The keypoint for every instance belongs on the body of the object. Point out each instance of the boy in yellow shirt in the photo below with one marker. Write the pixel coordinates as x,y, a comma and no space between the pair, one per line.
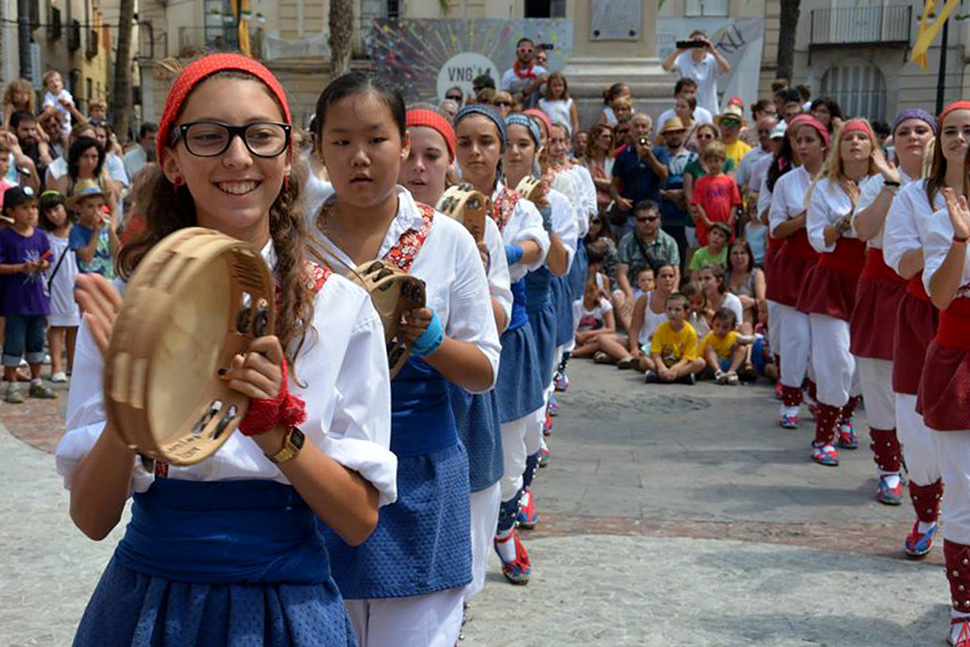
673,349
723,349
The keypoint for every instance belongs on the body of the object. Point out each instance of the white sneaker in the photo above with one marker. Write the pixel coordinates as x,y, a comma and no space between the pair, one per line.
59,378
23,363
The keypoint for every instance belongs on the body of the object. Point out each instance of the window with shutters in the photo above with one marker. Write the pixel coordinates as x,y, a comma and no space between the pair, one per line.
860,89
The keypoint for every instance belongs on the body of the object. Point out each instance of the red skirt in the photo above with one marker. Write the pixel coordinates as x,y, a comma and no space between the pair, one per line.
872,328
793,264
916,324
944,391
830,288
768,263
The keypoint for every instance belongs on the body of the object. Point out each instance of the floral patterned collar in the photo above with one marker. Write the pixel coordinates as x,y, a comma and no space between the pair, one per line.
504,200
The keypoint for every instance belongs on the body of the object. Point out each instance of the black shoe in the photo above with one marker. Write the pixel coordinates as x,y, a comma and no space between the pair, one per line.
690,379
651,378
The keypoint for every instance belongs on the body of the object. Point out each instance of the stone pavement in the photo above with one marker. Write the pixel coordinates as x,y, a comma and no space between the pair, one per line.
671,515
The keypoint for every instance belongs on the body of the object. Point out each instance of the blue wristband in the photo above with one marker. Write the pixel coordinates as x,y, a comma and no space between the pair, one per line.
430,339
513,253
546,213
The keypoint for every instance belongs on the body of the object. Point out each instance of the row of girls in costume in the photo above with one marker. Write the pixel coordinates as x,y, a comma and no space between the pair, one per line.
228,551
852,322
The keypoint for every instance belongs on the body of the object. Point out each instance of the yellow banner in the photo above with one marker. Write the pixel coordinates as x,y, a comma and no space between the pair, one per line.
928,32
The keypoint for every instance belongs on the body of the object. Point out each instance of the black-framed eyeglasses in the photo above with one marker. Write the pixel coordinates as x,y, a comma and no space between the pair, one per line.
453,97
503,104
648,218
211,138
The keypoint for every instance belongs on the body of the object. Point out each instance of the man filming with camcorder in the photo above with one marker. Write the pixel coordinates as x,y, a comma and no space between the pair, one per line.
698,59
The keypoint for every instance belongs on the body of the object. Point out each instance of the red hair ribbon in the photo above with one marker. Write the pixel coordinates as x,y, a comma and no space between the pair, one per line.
957,105
425,118
198,71
541,116
855,125
809,120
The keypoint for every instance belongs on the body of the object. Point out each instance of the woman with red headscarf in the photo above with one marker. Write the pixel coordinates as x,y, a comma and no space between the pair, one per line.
227,550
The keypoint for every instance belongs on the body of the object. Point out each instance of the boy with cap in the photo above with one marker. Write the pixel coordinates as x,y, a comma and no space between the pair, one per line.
24,255
94,238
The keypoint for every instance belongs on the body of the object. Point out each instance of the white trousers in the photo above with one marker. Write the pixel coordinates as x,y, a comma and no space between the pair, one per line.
774,327
836,377
917,441
514,454
432,620
876,378
953,454
484,505
795,339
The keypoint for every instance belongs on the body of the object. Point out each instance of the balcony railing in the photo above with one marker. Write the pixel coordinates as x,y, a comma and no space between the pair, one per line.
858,26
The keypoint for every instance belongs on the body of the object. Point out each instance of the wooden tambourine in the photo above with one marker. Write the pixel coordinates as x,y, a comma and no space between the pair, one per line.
530,188
393,293
197,299
468,206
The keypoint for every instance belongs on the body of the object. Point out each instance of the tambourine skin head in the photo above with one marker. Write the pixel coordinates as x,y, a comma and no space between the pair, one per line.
393,293
196,300
463,203
530,188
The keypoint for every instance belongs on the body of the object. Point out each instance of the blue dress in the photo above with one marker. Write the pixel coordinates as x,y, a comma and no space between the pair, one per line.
421,544
542,317
519,386
217,564
477,418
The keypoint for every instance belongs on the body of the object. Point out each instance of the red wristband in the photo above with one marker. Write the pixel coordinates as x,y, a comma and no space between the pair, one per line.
284,410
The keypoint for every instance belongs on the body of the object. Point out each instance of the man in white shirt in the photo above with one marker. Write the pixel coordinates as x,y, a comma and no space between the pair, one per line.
703,63
137,158
687,87
525,78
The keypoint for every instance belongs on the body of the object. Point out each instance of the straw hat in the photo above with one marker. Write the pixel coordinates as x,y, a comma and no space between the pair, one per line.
672,124
733,111
82,190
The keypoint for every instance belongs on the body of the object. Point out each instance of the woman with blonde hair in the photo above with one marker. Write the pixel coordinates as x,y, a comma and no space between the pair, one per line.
828,293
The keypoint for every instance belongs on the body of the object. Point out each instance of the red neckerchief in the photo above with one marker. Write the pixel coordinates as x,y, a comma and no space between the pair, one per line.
503,206
529,74
410,242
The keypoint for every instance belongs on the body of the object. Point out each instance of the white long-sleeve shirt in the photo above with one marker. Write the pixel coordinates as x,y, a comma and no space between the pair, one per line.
937,235
456,286
868,191
788,198
905,228
525,223
343,365
827,206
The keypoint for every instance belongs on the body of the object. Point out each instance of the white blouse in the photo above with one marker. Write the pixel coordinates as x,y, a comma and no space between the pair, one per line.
788,198
499,285
905,228
588,197
565,223
828,204
456,286
524,224
937,236
764,195
343,364
869,190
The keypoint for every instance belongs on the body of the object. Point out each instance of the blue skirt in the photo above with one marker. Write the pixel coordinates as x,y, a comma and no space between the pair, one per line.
422,543
543,321
481,434
562,297
519,388
577,271
247,568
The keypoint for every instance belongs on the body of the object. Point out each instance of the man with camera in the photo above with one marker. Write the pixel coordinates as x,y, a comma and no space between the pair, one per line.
639,173
525,78
697,58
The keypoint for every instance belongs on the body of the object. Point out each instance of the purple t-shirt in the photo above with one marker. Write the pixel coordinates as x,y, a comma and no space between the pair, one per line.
22,294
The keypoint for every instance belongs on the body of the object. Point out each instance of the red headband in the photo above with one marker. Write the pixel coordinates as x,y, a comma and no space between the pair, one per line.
809,120
198,71
958,105
543,117
853,126
424,118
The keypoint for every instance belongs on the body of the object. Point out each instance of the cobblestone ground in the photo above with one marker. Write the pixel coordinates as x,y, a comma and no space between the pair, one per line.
671,516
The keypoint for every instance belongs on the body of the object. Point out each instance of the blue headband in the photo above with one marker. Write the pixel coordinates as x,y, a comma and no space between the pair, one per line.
914,113
522,120
486,111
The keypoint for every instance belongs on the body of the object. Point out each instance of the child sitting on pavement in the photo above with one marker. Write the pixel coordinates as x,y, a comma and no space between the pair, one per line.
696,308
723,349
596,335
673,349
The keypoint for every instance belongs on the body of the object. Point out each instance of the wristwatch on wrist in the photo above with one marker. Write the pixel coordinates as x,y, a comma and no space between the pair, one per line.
292,445
961,240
